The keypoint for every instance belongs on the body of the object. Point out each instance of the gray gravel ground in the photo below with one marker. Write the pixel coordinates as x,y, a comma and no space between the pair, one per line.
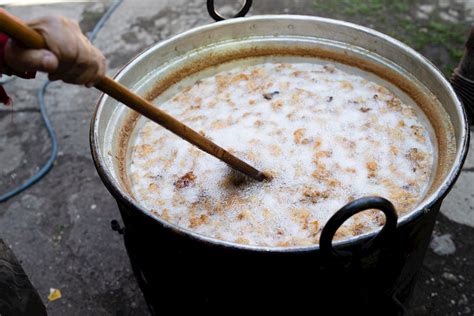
60,228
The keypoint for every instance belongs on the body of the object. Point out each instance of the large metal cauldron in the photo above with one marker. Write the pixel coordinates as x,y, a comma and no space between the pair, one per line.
179,270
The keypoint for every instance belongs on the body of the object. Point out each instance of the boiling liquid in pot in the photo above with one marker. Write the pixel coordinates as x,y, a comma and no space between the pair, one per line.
325,133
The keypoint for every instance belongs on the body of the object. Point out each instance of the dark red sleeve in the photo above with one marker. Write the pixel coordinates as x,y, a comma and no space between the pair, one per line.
3,95
4,98
3,42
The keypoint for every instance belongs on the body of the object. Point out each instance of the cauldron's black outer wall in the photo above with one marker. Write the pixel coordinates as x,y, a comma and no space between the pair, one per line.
180,274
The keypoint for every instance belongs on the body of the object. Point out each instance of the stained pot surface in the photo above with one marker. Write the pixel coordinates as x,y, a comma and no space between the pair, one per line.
359,49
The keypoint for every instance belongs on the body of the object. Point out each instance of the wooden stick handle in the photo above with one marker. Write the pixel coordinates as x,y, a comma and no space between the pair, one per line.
145,108
17,29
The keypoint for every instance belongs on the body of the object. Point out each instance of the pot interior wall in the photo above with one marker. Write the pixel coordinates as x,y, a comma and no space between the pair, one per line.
164,68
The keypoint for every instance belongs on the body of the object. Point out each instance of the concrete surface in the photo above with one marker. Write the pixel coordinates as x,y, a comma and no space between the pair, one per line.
60,228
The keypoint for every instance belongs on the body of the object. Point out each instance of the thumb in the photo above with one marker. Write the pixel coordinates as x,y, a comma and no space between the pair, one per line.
21,59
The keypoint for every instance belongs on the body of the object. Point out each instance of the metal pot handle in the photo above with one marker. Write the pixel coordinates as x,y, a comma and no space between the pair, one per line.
218,17
352,208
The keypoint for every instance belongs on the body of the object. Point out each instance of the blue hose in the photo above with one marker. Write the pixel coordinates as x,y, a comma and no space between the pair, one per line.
44,115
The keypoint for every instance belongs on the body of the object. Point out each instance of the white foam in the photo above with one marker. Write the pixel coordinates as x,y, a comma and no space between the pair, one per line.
337,110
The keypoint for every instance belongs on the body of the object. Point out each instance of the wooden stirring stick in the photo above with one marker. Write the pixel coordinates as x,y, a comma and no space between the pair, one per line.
17,29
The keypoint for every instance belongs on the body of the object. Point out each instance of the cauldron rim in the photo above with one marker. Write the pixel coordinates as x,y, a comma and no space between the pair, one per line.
423,208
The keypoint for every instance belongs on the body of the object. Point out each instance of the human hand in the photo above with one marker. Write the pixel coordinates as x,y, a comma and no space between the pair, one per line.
70,56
